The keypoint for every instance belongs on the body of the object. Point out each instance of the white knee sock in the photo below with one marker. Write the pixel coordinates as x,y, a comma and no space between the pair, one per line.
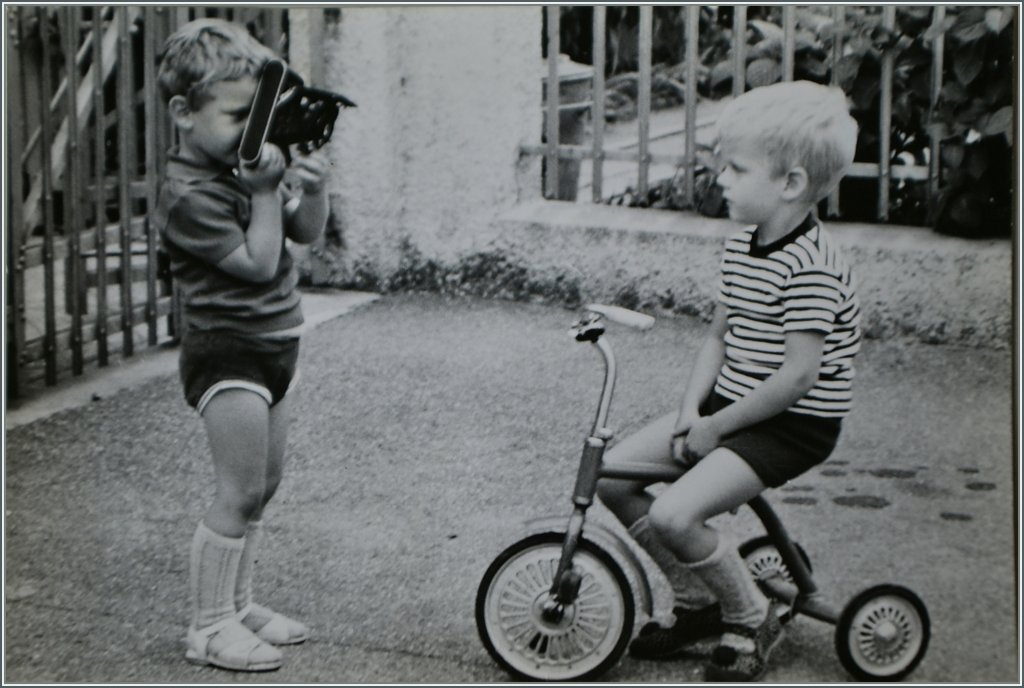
243,586
688,590
726,574
213,571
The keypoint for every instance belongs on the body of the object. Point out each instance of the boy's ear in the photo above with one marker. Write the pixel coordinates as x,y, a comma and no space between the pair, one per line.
180,112
797,182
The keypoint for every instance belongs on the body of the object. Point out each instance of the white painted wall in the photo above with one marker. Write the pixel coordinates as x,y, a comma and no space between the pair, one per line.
445,97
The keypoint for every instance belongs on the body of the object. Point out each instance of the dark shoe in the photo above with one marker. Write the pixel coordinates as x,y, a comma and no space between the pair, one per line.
691,625
729,664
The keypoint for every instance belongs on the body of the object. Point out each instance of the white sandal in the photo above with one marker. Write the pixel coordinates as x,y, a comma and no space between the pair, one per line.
237,648
278,629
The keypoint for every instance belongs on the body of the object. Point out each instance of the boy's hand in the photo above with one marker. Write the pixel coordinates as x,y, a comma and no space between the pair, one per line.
702,439
679,432
266,174
311,171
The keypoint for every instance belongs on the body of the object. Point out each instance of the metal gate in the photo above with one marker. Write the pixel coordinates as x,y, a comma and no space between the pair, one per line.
86,140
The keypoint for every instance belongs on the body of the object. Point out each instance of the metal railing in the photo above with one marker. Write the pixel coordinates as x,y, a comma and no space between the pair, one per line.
554,151
86,138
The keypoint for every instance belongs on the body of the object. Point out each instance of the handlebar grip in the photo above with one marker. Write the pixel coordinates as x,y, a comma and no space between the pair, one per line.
261,115
622,316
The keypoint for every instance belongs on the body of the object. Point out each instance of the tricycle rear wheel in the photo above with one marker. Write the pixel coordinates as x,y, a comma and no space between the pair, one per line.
764,561
883,633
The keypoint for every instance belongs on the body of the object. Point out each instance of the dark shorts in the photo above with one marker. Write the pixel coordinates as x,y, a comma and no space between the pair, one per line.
783,447
212,361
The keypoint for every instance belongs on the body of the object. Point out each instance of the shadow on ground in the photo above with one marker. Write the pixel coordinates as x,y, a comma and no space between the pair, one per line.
426,430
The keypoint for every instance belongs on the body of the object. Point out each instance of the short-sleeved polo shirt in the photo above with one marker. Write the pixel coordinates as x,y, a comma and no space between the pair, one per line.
202,215
799,283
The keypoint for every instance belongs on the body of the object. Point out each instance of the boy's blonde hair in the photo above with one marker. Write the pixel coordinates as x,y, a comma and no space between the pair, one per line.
794,124
206,51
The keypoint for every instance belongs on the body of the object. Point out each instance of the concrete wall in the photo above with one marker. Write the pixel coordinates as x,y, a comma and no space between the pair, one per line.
913,282
446,95
430,191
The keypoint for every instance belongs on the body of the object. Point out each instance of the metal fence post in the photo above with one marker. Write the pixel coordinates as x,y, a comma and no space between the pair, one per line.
885,119
643,97
600,18
739,49
46,136
126,164
15,259
73,223
692,38
551,170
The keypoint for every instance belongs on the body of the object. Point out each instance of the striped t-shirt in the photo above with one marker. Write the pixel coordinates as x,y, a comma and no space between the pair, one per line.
798,283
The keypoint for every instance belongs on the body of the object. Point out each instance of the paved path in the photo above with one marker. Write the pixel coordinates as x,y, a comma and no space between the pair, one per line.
426,431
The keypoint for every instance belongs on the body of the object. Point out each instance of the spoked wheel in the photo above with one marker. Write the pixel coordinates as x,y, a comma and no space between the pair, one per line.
764,561
585,639
883,633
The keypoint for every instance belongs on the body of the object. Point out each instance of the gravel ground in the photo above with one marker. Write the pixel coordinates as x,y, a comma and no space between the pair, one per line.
426,431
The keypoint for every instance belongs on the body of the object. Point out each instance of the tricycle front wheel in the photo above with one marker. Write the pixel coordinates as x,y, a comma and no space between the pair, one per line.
587,637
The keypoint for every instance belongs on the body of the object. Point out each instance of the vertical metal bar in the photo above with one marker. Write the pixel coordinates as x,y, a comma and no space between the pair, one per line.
885,119
73,223
49,309
157,33
165,129
597,112
176,317
15,188
46,166
126,164
164,134
938,50
643,97
181,16
551,133
788,41
149,97
692,38
839,17
99,172
739,49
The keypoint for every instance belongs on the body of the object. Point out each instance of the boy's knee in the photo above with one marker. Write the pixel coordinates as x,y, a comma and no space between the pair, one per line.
668,521
247,501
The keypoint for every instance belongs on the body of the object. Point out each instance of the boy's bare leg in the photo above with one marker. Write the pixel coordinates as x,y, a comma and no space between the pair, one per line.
628,500
267,624
720,482
237,424
280,417
277,440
